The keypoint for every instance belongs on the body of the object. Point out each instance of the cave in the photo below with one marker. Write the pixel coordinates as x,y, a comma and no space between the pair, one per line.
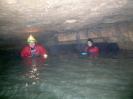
63,28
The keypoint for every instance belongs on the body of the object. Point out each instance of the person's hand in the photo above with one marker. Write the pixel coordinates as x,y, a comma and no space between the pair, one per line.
45,56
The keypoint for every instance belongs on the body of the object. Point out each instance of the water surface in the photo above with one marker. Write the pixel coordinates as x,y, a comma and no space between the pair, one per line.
67,77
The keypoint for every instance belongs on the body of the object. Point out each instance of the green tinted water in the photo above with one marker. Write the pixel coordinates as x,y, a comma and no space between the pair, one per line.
68,78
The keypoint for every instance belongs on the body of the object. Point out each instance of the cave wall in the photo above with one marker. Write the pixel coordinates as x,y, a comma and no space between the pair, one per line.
120,33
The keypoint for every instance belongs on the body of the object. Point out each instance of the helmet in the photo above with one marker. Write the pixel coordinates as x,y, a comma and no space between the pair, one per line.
31,39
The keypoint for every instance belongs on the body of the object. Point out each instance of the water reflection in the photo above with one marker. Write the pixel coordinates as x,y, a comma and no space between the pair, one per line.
33,73
67,78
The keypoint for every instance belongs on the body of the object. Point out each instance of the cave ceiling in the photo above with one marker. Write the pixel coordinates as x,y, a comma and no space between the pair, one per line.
19,17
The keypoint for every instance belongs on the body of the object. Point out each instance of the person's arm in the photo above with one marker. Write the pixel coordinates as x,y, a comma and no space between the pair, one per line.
97,50
43,51
86,49
25,53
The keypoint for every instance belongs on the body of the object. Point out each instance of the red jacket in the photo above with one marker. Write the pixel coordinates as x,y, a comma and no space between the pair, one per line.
39,51
93,51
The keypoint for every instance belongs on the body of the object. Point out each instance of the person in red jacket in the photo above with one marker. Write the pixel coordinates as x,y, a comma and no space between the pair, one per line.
91,49
33,49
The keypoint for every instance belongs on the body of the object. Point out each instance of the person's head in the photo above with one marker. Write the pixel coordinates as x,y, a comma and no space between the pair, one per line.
31,41
90,42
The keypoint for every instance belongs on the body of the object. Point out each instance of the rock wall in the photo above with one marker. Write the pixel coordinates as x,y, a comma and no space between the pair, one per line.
120,33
